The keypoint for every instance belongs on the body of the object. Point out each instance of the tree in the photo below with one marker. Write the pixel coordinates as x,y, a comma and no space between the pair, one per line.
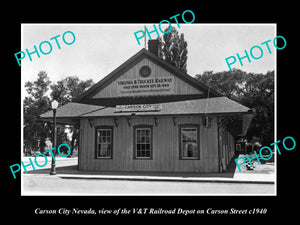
35,104
38,102
228,83
259,95
64,91
173,49
69,88
256,91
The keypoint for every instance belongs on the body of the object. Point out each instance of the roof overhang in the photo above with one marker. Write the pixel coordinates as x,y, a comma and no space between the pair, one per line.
231,115
237,124
60,120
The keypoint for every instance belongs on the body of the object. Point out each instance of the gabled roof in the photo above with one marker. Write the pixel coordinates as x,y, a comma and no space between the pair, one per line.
133,61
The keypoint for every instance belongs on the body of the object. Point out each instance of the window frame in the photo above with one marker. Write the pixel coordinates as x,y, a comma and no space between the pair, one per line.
186,126
111,128
135,128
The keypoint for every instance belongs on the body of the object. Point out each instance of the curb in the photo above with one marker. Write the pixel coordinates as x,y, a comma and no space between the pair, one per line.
171,179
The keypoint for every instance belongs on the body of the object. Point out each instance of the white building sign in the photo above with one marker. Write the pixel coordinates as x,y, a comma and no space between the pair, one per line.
138,108
145,86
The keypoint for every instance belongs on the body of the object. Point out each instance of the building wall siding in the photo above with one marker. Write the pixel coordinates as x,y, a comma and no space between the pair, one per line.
180,87
165,146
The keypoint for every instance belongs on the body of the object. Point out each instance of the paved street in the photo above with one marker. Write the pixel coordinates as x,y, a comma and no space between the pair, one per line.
53,185
39,182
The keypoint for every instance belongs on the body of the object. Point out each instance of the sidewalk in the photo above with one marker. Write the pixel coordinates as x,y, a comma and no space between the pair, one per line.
243,178
263,173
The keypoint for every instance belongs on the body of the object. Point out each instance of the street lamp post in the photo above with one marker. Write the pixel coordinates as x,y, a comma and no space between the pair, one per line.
54,106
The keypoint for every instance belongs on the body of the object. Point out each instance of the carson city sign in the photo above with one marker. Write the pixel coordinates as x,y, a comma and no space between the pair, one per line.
138,108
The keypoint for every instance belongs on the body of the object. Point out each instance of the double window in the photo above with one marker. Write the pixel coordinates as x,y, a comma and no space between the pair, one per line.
104,142
189,141
143,142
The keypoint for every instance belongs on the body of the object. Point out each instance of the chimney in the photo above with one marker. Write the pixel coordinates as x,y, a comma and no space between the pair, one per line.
153,46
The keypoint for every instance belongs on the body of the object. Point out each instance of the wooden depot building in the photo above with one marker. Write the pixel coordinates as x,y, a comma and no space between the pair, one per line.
147,115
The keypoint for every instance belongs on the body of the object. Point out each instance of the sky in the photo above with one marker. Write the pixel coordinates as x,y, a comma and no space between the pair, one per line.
100,48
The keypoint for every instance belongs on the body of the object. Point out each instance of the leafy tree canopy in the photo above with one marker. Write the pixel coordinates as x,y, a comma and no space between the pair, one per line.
38,101
255,91
173,49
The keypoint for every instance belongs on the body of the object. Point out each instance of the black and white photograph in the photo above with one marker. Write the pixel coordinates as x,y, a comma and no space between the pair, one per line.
141,111
145,109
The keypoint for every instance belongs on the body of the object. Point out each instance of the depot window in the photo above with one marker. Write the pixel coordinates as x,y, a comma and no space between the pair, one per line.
104,142
189,142
143,142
